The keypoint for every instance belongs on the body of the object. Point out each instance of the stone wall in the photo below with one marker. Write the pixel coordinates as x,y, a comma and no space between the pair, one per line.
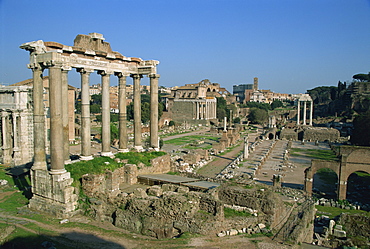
267,203
299,226
321,134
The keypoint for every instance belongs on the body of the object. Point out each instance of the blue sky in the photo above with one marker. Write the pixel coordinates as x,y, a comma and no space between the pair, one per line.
290,45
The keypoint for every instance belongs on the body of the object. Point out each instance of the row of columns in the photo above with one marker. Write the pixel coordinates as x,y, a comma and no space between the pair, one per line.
304,112
58,90
205,110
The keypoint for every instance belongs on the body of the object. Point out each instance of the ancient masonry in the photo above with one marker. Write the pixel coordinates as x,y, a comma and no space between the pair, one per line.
51,187
16,141
304,98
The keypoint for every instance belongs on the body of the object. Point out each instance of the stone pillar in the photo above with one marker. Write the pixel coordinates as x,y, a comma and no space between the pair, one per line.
246,149
56,123
122,147
137,112
154,143
65,118
105,114
85,114
225,124
298,112
5,133
15,132
197,110
311,112
39,159
304,112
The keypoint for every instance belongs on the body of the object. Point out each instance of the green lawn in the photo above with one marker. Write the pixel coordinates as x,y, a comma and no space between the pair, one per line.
314,154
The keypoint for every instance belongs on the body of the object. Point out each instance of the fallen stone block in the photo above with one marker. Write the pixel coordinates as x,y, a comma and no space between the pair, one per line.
233,232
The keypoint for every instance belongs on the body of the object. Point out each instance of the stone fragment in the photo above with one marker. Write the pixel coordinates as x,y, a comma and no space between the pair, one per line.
64,221
339,233
233,232
222,234
155,190
182,189
139,192
3,182
331,226
261,225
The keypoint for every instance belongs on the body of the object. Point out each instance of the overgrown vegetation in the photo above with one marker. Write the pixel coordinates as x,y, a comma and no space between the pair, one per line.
229,213
333,212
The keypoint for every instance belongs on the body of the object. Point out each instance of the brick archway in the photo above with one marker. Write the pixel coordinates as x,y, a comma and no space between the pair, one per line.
350,160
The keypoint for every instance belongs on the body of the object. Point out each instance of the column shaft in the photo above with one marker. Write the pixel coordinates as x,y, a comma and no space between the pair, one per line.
154,143
298,111
311,112
122,113
304,112
105,115
39,159
137,112
56,124
85,115
65,113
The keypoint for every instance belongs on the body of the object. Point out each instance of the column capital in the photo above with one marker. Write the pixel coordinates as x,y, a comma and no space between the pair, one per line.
136,76
85,70
53,64
105,72
66,68
34,66
120,74
154,75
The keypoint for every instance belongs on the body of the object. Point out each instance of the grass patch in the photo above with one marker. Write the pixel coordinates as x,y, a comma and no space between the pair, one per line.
314,153
229,213
140,157
332,212
190,139
173,173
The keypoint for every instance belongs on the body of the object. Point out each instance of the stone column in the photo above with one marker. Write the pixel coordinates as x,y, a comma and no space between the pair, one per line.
298,112
122,119
311,112
225,123
154,143
246,149
85,114
56,123
304,112
65,117
39,158
5,133
137,112
15,132
105,114
197,110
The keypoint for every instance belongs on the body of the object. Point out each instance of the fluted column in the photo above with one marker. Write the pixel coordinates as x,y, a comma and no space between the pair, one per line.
39,159
85,114
137,112
56,124
304,112
65,118
298,111
154,143
105,114
311,112
122,147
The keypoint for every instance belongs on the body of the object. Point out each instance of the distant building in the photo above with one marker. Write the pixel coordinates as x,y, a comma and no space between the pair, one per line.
16,107
194,103
240,90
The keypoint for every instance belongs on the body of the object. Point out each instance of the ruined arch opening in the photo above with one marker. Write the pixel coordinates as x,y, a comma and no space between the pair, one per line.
271,136
358,188
325,183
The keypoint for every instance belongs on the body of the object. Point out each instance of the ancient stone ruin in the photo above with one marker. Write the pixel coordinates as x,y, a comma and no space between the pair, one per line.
51,184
